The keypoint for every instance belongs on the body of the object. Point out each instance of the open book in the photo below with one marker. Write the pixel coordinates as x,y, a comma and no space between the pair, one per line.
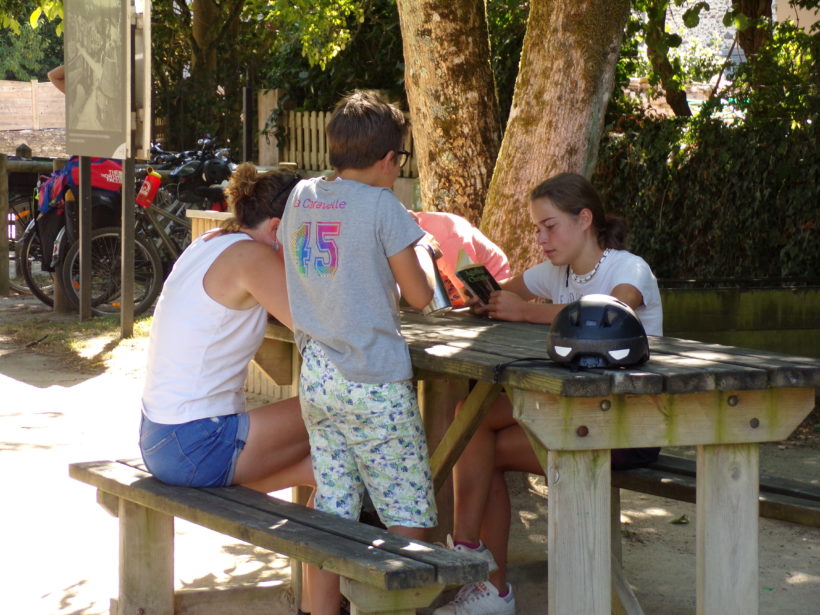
476,278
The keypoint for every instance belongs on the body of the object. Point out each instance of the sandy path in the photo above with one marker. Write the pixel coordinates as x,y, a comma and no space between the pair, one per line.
59,548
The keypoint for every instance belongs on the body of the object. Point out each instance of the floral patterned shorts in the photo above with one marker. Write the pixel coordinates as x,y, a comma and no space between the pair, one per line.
365,436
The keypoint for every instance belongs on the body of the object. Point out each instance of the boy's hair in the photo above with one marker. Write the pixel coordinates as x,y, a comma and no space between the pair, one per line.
571,193
363,129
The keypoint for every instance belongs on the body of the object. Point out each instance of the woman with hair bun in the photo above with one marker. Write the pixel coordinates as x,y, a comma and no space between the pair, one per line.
585,255
208,323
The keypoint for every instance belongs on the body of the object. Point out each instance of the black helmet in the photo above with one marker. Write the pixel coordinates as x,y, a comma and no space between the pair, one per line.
216,170
597,331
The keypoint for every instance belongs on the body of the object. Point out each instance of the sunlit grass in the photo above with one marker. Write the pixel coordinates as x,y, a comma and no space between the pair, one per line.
90,344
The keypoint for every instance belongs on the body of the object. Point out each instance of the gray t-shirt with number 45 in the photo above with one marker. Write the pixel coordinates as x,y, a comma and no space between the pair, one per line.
337,237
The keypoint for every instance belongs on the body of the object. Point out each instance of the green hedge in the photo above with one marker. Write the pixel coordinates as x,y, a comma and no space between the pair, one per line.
709,200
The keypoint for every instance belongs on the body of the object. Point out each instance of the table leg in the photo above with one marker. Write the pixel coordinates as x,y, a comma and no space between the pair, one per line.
578,555
727,529
458,435
438,397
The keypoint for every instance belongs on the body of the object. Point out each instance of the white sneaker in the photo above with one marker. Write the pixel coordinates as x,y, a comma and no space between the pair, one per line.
479,599
481,551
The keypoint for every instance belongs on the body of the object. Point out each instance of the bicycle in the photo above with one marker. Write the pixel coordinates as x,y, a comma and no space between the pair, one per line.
46,238
161,234
20,212
32,260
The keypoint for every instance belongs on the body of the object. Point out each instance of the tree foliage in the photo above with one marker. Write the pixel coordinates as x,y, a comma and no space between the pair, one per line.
30,53
14,13
372,59
202,54
323,29
708,200
783,82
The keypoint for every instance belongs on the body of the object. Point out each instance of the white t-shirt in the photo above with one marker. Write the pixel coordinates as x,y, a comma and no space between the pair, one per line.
199,349
619,267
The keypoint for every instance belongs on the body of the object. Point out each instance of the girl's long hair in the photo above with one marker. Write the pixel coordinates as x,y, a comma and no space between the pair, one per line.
571,193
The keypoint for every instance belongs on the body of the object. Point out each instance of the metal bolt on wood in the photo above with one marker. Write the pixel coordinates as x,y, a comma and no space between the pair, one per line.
582,431
606,405
733,400
755,423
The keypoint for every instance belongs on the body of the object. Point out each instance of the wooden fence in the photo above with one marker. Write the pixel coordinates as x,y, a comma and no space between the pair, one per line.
307,142
31,105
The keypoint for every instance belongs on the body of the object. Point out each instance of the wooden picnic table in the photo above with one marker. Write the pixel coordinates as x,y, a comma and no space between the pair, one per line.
721,399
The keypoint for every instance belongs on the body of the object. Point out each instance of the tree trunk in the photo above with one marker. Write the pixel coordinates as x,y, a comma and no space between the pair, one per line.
450,88
207,22
658,52
564,83
752,38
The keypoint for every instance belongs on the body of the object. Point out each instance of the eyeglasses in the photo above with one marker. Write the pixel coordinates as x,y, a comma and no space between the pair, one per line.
402,157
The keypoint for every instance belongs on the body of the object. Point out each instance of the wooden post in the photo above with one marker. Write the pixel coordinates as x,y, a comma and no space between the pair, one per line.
267,101
368,600
146,561
85,237
247,117
313,142
578,483
300,140
324,162
35,115
4,232
726,508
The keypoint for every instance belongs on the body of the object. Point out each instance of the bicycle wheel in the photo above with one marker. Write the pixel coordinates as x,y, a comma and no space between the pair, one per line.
106,282
19,215
30,260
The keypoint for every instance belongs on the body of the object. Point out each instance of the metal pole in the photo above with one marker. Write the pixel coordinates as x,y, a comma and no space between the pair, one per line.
4,229
128,192
127,271
247,115
85,237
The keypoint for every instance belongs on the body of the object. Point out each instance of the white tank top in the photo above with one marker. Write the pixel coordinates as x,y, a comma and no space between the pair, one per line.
199,349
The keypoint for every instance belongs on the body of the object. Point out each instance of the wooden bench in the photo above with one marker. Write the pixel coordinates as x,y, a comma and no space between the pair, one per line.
382,573
674,478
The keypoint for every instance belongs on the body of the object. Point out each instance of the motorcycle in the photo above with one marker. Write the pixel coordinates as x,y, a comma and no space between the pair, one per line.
198,179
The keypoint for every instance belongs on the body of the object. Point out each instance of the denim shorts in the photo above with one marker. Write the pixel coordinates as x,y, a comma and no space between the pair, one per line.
199,453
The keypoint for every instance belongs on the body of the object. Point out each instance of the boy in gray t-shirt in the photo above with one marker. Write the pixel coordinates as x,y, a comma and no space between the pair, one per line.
350,247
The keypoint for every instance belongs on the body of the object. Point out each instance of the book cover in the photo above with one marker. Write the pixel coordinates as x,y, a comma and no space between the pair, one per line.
478,280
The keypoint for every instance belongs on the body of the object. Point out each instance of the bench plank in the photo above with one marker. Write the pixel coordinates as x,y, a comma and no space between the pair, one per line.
768,482
276,533
340,546
450,568
674,478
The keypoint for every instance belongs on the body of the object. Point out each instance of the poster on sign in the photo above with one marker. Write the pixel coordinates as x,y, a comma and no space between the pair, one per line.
97,77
